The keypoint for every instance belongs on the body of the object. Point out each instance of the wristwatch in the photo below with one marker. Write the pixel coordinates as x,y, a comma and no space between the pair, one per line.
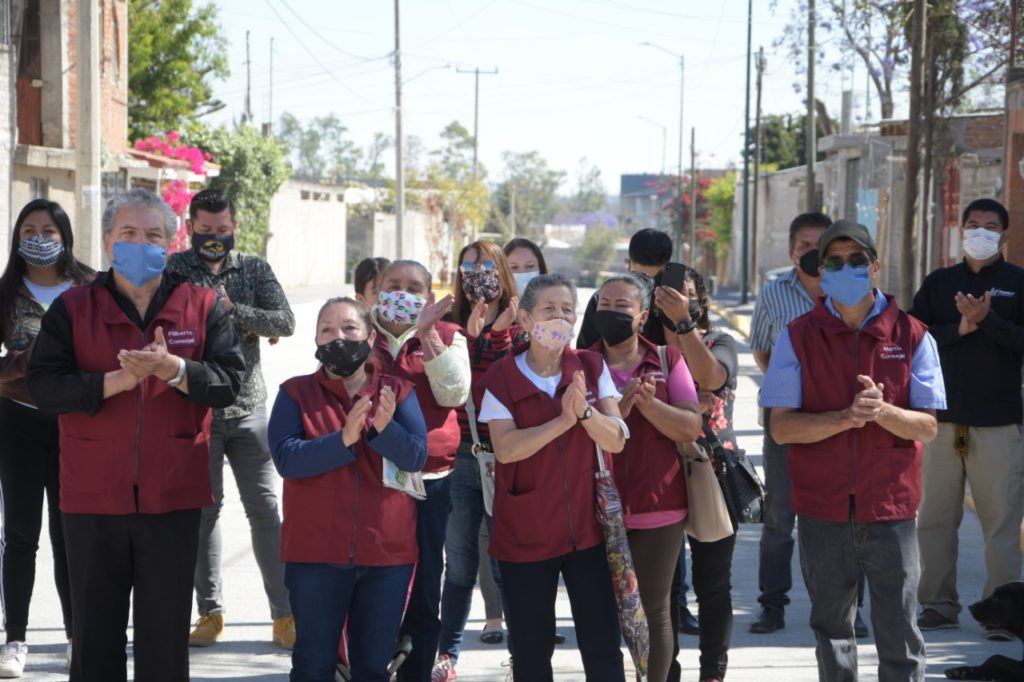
685,327
587,414
180,376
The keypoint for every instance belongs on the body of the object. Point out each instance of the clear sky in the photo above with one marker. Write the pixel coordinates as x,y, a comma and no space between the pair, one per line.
573,76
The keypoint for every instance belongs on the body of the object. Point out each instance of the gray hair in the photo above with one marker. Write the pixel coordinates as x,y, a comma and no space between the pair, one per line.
138,197
409,264
541,282
641,282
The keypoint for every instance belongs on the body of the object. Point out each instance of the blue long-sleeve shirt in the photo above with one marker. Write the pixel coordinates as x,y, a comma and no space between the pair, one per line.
403,441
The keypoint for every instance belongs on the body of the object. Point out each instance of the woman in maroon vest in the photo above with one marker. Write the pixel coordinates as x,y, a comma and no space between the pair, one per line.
546,406
340,438
660,411
40,268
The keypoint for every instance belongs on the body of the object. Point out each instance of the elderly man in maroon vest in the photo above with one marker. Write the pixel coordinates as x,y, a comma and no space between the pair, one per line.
133,363
853,386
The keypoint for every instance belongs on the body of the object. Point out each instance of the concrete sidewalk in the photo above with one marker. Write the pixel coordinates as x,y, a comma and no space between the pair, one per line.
246,653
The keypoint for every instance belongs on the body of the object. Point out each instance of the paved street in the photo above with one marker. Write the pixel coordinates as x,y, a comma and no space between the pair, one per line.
246,652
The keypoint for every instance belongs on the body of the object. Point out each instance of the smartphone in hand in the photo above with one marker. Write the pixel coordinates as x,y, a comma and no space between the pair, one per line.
672,275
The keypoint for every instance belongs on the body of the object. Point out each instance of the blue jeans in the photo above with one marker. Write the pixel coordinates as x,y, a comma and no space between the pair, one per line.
323,596
774,575
462,552
422,622
831,555
530,590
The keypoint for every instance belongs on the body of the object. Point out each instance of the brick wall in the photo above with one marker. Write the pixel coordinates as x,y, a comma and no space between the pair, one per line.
984,132
113,73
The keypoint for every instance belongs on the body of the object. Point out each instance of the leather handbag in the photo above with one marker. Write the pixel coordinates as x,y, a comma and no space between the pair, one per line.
741,486
707,515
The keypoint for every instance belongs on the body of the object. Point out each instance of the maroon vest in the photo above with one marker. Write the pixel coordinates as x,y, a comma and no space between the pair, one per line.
152,437
648,472
347,515
544,504
881,470
443,435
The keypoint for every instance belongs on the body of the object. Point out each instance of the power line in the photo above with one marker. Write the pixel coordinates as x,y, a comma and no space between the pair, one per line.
328,42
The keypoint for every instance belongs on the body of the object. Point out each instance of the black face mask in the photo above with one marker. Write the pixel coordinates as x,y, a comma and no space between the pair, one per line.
343,356
212,246
613,326
694,308
809,263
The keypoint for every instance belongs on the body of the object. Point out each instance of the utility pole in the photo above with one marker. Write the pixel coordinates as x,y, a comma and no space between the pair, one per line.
912,198
1013,33
399,160
757,162
270,98
678,241
247,113
476,109
87,135
810,128
745,266
693,198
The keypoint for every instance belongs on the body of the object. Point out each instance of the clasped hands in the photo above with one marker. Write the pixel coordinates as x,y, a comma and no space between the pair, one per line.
868,404
574,400
356,418
638,393
152,360
972,310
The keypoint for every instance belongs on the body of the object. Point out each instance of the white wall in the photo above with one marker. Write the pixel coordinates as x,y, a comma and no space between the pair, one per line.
780,199
307,243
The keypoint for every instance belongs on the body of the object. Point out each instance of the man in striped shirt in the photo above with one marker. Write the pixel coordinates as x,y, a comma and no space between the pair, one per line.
779,303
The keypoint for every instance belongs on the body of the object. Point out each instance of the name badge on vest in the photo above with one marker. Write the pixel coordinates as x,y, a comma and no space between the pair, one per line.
892,351
181,338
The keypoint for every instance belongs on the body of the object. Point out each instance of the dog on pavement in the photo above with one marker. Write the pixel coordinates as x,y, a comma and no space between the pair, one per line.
1004,609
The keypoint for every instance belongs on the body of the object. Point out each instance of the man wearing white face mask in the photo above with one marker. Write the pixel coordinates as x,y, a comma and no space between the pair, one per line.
975,311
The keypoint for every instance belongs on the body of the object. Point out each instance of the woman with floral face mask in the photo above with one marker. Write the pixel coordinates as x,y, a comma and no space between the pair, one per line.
547,405
348,540
40,268
485,306
660,410
413,343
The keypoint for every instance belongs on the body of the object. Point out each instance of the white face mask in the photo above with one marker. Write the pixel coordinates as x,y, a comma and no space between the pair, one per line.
980,243
523,278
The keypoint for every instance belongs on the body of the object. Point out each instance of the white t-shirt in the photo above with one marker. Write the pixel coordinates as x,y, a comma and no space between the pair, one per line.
491,408
47,295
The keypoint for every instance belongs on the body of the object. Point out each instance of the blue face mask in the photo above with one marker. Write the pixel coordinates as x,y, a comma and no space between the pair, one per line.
139,263
848,286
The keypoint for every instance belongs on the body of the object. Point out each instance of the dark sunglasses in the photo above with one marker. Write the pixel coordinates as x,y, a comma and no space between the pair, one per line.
854,260
484,265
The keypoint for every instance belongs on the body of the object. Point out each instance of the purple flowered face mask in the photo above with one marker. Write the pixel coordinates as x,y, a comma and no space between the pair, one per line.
399,307
552,334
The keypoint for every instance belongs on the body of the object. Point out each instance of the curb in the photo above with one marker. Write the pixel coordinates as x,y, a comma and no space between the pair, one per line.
740,323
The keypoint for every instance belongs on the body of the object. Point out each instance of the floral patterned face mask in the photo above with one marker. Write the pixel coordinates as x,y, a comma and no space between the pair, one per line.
400,307
552,334
480,286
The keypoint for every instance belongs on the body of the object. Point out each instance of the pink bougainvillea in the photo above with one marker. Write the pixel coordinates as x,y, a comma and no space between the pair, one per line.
177,193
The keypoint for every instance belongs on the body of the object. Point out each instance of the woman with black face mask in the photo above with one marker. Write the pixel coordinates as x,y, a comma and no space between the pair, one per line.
341,438
660,411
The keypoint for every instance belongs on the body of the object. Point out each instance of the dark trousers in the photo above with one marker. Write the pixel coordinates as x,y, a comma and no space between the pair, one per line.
323,596
149,558
530,589
422,618
774,575
29,468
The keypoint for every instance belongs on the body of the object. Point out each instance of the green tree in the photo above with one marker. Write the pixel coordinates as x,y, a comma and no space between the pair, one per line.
373,165
591,194
175,51
252,168
598,248
720,197
319,150
456,156
783,142
526,199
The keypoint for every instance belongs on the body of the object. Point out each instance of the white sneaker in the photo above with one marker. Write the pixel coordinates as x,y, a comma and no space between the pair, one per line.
12,659
508,664
68,656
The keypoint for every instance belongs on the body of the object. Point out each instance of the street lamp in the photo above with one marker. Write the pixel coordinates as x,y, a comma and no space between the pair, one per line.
664,138
678,238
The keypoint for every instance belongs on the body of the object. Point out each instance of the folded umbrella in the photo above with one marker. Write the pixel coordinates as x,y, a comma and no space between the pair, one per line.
632,619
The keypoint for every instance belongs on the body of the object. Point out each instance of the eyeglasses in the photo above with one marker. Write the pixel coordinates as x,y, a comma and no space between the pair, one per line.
854,260
484,265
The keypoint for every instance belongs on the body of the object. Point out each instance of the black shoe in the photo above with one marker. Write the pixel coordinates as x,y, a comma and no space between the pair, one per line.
687,623
770,620
860,628
559,639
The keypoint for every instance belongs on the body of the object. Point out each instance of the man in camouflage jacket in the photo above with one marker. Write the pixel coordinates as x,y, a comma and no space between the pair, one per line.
251,294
